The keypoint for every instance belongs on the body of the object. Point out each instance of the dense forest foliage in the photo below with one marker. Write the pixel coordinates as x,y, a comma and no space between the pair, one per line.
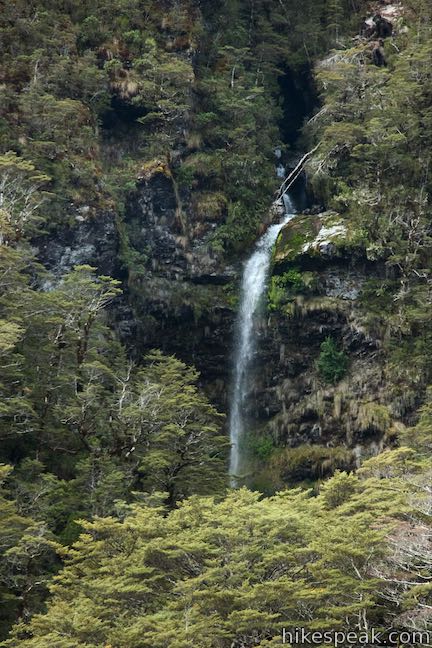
372,167
116,527
97,94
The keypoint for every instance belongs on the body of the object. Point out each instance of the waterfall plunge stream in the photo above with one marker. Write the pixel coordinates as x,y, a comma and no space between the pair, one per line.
253,288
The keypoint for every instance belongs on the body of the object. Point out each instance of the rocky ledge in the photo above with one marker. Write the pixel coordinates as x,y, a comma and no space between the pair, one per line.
320,237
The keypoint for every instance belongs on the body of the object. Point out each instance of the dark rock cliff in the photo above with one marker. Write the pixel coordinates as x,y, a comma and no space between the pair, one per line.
184,301
290,401
87,241
182,297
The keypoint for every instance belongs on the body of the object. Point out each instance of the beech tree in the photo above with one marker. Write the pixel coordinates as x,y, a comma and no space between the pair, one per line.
27,560
20,197
229,573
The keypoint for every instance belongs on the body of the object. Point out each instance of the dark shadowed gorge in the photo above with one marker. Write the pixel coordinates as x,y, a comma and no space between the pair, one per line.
160,296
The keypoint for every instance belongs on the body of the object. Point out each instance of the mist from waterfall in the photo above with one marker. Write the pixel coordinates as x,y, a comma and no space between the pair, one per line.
253,289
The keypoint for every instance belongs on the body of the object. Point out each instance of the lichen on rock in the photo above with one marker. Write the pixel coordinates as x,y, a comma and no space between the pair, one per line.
324,235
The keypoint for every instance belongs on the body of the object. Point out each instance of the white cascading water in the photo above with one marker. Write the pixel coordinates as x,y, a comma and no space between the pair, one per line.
254,286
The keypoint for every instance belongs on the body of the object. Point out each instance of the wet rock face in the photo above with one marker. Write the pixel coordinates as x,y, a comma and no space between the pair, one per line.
290,400
90,241
180,294
202,339
163,232
153,226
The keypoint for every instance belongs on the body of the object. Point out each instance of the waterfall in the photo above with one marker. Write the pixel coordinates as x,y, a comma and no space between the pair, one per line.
253,288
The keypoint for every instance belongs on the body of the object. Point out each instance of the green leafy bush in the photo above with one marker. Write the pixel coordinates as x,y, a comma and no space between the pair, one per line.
283,286
332,364
261,447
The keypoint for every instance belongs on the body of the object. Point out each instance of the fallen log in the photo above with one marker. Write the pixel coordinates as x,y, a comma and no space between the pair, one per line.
292,177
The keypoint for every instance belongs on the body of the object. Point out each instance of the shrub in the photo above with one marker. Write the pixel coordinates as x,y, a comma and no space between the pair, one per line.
282,286
311,462
261,447
332,364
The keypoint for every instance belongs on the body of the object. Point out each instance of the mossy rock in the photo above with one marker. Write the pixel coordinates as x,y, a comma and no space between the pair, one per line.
210,206
292,238
310,462
373,417
325,235
152,168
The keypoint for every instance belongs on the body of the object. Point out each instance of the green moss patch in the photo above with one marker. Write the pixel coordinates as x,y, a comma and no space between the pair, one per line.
325,235
293,237
210,206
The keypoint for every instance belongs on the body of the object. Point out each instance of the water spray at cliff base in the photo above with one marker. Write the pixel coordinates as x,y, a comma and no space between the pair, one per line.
253,289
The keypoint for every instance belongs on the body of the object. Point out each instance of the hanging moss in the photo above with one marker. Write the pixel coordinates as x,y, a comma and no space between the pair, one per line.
311,462
210,205
373,417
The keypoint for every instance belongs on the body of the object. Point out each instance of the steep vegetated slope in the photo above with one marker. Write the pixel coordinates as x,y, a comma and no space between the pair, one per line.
352,280
137,168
